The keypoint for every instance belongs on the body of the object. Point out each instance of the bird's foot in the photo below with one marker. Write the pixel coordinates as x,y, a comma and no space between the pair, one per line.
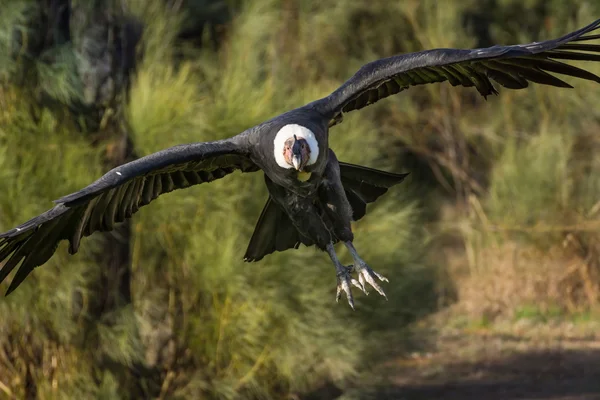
344,280
367,275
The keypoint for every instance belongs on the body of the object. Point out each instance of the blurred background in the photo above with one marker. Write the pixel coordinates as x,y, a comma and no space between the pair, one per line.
492,245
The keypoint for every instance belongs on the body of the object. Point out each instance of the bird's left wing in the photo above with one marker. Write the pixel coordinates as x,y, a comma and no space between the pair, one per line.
511,66
113,198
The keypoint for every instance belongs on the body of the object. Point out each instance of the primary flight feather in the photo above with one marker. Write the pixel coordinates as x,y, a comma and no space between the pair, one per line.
313,198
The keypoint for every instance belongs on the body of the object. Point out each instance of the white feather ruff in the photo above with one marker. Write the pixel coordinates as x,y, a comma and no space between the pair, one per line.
288,131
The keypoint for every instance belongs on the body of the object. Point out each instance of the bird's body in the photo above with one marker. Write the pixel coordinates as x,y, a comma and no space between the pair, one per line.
313,198
261,142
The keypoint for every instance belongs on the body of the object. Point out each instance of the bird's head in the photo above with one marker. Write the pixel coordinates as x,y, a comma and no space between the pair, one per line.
296,152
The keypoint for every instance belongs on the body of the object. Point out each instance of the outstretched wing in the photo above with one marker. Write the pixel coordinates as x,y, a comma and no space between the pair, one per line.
511,66
113,198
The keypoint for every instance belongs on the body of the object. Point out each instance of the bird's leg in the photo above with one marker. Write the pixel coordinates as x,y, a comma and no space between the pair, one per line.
344,279
365,273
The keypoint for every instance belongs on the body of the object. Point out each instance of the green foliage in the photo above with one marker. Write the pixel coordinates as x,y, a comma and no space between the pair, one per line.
40,161
542,188
13,21
57,74
213,326
259,324
530,183
533,312
28,60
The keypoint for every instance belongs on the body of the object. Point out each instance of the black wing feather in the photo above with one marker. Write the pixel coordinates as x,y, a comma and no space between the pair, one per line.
114,197
512,67
364,185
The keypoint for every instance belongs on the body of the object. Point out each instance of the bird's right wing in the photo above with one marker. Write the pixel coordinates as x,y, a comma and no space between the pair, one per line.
113,198
511,66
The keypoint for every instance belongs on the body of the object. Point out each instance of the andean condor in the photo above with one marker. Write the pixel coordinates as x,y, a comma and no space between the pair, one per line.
313,197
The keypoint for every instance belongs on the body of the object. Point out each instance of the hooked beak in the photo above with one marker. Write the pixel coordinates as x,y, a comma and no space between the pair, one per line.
297,161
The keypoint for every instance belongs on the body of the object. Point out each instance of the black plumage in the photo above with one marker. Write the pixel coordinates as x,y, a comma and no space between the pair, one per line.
512,67
312,197
275,232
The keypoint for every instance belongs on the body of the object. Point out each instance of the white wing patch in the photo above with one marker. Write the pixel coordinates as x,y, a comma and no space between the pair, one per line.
300,131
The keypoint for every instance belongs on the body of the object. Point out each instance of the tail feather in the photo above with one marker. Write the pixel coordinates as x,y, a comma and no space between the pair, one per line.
274,230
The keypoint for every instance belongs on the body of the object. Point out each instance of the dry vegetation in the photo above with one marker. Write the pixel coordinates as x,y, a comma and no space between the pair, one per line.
500,218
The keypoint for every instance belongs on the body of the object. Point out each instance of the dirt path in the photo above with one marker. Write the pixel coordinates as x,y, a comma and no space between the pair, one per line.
558,374
515,364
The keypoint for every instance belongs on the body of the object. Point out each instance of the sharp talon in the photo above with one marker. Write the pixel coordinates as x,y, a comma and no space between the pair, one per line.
346,288
381,277
358,284
367,275
344,282
361,279
364,272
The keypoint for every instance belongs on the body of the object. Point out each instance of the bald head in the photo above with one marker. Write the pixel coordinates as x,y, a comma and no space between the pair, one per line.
296,152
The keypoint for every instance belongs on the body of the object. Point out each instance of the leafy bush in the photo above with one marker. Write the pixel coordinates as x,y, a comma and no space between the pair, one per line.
210,324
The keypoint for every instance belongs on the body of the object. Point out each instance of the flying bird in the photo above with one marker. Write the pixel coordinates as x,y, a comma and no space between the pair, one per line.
313,197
